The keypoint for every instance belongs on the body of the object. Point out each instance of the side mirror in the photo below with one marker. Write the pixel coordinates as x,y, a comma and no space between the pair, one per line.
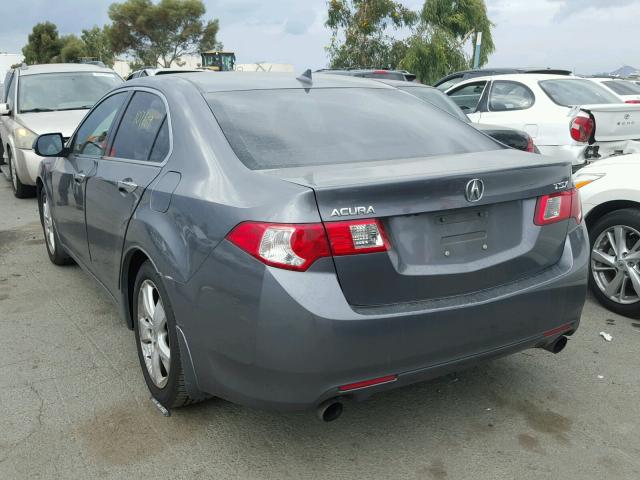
4,109
49,145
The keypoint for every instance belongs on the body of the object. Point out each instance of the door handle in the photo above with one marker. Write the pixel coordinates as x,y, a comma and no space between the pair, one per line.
79,177
127,185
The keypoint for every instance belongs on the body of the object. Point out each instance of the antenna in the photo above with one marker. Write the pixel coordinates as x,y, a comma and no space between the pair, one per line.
305,77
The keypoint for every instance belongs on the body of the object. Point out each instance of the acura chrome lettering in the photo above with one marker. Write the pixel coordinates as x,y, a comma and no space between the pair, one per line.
349,211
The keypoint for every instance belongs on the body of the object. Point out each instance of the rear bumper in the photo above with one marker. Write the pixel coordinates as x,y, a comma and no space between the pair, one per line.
283,340
576,153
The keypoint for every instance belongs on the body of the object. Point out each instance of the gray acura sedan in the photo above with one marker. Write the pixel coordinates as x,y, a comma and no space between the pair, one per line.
289,243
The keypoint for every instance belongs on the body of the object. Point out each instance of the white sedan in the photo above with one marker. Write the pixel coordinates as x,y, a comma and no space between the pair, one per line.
625,90
567,117
611,204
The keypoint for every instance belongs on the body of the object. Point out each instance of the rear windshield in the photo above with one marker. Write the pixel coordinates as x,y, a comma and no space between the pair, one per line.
437,98
298,127
622,87
575,92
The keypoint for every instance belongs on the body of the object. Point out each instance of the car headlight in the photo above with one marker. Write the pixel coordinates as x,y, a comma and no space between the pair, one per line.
583,179
24,138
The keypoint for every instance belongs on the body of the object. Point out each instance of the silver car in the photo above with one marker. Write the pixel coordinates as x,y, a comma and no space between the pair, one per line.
41,98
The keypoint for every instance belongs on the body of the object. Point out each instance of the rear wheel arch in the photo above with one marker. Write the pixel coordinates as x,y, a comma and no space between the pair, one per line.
133,261
605,208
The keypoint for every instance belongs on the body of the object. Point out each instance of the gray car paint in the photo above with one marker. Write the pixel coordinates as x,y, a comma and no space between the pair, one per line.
274,338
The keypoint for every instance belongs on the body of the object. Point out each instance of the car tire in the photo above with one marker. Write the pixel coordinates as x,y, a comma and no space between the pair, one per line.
20,190
156,336
625,224
56,252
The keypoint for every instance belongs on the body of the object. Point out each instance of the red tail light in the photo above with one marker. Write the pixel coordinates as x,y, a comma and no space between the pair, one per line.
582,128
297,246
558,206
357,236
632,101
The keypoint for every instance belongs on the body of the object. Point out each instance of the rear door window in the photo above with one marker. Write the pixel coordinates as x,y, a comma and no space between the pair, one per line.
140,127
467,97
297,127
576,92
507,95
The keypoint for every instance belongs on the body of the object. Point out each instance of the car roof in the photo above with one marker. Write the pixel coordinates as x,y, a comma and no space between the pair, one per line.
209,82
518,77
62,68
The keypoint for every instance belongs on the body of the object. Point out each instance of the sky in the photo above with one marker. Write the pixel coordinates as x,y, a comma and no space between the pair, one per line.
587,36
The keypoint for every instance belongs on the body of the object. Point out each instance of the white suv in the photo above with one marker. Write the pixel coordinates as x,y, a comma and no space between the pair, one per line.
44,98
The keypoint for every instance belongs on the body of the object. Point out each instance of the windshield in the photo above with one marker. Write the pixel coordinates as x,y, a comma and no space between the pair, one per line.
298,127
576,92
623,87
438,99
48,92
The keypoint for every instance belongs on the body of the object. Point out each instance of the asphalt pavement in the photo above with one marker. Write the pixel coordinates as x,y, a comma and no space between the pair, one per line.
74,405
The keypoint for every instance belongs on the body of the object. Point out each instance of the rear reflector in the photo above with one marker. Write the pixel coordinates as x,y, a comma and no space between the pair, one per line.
557,207
297,246
368,383
561,329
357,236
633,101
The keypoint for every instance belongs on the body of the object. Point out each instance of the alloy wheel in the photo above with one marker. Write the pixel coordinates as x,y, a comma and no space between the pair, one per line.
615,264
154,334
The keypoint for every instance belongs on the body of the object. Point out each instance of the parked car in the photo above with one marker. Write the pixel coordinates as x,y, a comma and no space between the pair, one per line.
40,98
445,83
152,71
291,243
376,73
611,203
509,136
626,91
568,117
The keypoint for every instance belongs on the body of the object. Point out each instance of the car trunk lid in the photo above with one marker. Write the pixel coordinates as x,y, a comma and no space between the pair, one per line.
442,245
615,122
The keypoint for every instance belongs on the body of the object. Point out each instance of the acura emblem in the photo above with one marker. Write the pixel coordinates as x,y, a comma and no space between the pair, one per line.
474,190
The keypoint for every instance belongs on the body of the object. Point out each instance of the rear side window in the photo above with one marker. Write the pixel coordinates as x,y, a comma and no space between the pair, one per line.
576,92
622,87
140,127
468,96
294,127
506,96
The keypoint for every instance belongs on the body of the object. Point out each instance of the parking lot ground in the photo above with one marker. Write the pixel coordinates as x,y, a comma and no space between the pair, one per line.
73,403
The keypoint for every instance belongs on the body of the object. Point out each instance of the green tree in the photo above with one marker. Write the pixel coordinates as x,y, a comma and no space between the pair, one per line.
461,19
98,44
359,35
72,51
161,33
44,44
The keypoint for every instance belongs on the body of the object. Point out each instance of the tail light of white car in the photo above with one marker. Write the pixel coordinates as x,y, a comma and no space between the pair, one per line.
582,127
